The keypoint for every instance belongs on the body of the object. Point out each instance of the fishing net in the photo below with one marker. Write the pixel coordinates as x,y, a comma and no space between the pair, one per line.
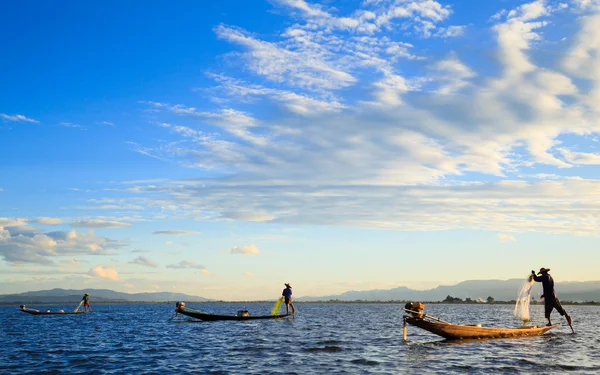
276,307
522,306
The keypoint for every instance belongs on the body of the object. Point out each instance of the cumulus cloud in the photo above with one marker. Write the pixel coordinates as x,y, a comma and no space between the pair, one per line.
186,264
17,118
48,221
99,224
104,273
175,232
8,222
34,247
143,261
245,250
503,237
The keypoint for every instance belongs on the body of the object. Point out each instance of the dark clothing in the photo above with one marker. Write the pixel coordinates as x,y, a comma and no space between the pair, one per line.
288,300
86,299
287,292
551,302
548,285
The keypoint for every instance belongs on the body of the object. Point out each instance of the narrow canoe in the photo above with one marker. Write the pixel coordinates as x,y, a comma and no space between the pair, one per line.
38,312
457,331
212,317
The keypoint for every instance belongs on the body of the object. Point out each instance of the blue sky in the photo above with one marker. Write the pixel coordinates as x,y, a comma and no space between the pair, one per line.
223,149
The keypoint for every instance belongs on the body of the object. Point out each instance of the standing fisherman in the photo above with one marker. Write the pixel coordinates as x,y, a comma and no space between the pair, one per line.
551,301
86,302
287,294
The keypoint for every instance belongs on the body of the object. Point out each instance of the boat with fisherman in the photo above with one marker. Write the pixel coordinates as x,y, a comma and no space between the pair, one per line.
28,310
416,317
241,315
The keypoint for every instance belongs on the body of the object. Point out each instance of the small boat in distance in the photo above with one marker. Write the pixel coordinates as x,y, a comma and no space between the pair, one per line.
241,315
451,331
48,312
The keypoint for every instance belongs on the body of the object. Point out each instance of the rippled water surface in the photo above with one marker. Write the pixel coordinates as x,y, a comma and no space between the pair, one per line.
321,339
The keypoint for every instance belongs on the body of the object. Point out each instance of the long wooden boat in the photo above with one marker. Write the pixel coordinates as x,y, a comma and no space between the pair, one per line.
457,331
213,317
38,312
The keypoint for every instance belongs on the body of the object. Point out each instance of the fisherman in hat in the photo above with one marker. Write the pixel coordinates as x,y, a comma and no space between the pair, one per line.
86,302
551,302
287,294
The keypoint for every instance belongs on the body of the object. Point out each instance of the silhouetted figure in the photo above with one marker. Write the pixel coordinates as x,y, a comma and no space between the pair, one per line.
287,295
551,302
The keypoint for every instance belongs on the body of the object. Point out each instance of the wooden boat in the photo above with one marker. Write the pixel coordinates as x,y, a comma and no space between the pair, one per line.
38,312
451,331
457,331
213,317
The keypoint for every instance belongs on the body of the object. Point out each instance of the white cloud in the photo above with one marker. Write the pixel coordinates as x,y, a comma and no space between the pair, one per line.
187,264
175,232
71,125
451,31
8,222
503,237
41,248
301,68
99,224
573,157
143,261
104,273
107,123
48,221
245,250
204,272
17,118
249,274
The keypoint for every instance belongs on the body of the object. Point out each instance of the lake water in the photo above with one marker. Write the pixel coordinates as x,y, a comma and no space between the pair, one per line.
322,339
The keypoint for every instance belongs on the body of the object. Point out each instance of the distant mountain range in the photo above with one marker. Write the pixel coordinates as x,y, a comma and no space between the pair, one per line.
97,295
500,290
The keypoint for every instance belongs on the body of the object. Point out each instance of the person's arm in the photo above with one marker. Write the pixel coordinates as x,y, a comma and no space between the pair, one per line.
535,277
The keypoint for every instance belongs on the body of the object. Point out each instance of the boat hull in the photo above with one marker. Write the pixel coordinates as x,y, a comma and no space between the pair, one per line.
213,317
458,332
36,312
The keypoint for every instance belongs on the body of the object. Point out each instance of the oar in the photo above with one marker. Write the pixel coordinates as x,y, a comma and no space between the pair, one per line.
426,316
78,306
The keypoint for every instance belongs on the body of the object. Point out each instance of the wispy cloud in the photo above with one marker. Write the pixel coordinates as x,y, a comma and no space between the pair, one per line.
99,224
186,264
17,118
248,274
143,261
104,273
503,237
245,250
71,125
175,232
48,221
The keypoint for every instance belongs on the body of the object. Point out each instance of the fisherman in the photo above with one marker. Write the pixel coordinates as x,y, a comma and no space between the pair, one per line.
551,301
86,302
287,294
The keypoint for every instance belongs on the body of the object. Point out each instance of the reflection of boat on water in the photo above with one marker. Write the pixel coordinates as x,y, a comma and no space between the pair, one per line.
241,315
48,312
458,331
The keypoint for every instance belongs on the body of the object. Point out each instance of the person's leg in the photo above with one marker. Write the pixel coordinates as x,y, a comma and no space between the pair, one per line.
562,312
293,308
548,307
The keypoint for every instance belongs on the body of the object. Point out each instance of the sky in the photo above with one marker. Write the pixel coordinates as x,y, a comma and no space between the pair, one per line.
222,149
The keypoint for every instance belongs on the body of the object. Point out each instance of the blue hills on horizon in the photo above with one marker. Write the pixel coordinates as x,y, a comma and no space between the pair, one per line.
500,290
59,295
